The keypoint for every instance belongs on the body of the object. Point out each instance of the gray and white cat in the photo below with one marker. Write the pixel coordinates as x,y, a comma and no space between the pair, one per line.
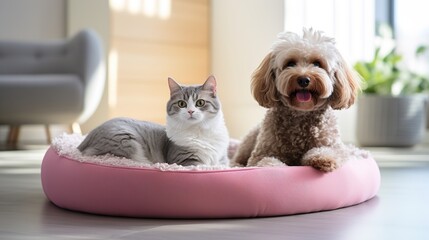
195,132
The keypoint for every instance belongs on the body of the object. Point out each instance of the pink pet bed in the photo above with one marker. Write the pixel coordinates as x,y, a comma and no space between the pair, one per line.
142,191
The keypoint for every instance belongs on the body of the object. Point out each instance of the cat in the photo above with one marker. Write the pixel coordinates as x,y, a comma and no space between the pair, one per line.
195,133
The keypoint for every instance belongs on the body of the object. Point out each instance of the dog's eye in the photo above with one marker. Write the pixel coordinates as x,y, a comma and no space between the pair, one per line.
317,63
290,64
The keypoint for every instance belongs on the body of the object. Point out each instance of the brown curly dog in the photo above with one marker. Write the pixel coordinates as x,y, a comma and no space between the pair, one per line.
301,81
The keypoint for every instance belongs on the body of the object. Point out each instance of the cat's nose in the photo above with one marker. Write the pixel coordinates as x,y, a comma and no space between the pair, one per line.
191,112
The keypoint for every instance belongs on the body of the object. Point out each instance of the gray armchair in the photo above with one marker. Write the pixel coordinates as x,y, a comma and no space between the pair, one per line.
55,82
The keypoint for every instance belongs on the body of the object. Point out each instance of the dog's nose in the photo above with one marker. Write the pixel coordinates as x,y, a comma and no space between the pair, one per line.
303,81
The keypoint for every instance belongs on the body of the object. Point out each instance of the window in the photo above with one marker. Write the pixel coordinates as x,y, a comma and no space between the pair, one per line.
350,22
411,30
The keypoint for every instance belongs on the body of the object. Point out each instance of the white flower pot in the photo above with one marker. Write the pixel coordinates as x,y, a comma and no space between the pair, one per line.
391,121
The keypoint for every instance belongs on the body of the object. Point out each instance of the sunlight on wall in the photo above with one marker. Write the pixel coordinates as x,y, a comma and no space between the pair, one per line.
149,8
113,78
242,34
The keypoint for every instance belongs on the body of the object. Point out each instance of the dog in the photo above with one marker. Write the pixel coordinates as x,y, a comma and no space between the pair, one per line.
301,82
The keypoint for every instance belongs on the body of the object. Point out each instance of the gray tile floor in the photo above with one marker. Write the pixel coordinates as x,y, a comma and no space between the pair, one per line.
400,211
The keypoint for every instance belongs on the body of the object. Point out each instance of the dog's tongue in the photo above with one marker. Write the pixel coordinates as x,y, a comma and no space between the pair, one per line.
303,96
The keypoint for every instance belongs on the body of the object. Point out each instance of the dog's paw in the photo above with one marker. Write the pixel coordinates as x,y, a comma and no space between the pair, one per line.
324,164
270,162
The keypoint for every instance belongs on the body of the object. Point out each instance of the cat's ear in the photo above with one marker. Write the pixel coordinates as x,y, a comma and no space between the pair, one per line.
173,85
210,84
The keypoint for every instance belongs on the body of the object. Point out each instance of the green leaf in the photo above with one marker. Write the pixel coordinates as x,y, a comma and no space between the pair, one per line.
384,74
421,50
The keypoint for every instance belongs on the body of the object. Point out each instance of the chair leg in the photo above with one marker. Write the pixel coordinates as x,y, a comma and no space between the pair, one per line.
75,128
12,137
48,134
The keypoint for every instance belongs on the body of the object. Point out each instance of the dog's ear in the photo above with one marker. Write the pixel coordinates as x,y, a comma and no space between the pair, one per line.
263,83
346,87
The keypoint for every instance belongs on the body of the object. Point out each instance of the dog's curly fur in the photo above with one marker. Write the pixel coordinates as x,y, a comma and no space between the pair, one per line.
300,81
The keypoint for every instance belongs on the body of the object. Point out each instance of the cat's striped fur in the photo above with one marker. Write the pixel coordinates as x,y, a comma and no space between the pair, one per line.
195,132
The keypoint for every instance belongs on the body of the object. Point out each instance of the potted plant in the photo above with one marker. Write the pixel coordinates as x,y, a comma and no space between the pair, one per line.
392,108
422,50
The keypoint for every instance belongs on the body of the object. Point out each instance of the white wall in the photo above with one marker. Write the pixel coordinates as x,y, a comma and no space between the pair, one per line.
92,14
32,20
242,34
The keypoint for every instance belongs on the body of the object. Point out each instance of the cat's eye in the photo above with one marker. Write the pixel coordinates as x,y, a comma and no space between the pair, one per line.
181,104
200,103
